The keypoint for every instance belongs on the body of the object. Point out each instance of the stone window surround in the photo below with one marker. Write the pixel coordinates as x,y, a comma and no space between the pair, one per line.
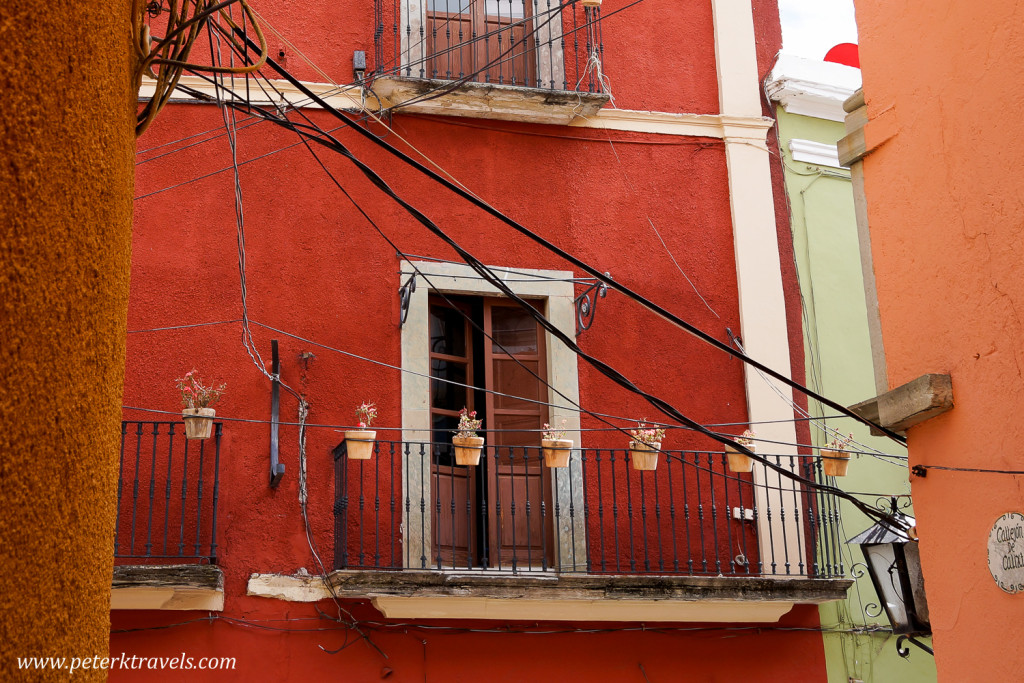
558,295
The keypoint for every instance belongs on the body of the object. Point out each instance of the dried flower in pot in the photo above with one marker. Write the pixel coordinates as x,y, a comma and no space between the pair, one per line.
467,444
557,448
645,446
835,457
359,442
741,462
198,399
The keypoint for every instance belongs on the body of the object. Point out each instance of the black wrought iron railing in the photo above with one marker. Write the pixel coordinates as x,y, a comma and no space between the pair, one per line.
549,44
167,494
410,506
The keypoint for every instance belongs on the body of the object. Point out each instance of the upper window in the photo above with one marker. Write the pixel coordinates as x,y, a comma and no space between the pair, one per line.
491,41
547,44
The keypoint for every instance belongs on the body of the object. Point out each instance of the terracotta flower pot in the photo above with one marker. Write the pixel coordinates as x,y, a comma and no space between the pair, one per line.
359,443
644,456
835,462
467,449
198,422
739,462
556,452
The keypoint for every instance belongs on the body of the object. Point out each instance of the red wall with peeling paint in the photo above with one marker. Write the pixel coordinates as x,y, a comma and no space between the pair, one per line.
316,269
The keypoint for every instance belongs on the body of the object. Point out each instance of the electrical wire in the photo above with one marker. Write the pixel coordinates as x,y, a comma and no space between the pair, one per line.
505,629
165,61
487,274
226,168
917,469
332,143
655,308
478,266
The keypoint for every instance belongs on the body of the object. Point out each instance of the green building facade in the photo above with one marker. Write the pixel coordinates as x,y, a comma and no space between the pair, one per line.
809,96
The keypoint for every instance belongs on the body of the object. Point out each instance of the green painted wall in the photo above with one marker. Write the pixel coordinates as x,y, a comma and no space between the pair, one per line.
838,363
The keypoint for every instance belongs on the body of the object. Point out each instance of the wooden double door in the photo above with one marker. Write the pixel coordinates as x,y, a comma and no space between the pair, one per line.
498,513
490,41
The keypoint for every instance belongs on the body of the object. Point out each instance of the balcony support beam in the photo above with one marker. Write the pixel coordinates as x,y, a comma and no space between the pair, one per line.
174,587
437,595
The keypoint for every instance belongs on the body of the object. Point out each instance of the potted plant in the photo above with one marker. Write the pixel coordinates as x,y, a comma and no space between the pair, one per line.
556,447
645,446
467,444
198,399
741,462
359,442
836,456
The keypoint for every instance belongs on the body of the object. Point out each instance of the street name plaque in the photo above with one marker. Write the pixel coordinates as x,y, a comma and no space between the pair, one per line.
1006,552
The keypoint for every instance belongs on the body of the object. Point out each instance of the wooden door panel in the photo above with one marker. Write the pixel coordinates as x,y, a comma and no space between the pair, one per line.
449,45
520,389
511,42
522,532
517,411
454,523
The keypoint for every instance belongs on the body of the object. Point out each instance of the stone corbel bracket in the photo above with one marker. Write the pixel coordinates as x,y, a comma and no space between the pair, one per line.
908,405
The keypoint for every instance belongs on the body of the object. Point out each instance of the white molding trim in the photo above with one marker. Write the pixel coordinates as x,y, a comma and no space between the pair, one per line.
813,152
634,610
339,97
167,598
812,88
745,128
750,129
290,588
762,300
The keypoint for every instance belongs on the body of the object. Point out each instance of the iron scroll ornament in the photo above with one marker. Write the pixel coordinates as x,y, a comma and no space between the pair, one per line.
405,297
859,570
586,305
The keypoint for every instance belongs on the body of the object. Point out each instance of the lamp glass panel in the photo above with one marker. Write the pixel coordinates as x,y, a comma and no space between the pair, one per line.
882,561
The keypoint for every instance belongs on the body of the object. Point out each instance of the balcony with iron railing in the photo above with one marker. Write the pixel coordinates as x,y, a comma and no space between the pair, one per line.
412,526
165,538
526,60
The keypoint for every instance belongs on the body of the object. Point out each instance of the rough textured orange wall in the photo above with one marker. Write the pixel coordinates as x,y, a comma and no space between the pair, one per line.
66,169
947,224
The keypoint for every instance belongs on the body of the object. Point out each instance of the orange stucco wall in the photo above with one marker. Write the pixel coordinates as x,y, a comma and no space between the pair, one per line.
66,147
947,223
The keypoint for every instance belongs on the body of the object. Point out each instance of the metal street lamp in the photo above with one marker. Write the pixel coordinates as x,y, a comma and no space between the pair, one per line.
893,562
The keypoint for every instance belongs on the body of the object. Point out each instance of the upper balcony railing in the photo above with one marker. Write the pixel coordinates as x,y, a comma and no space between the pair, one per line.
167,493
411,507
546,44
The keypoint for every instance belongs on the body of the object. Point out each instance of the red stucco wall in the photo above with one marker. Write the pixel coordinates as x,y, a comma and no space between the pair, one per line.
316,269
600,652
946,232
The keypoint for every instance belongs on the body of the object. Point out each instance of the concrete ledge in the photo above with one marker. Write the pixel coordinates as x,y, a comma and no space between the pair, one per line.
173,587
909,404
488,100
549,597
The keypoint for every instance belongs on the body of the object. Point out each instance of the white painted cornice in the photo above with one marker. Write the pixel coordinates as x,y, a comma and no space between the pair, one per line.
812,88
817,153
339,97
739,128
749,129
